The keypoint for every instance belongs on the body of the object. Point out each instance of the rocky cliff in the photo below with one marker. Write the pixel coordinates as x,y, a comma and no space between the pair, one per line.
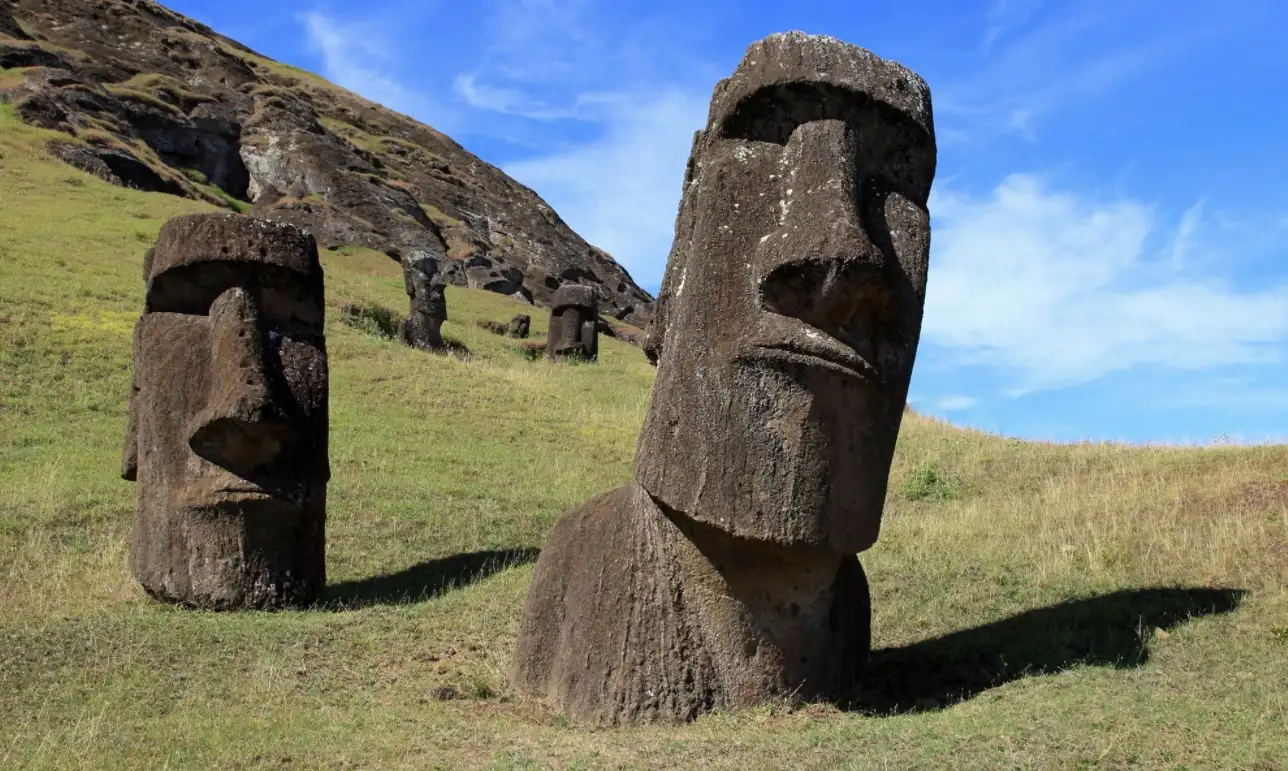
153,100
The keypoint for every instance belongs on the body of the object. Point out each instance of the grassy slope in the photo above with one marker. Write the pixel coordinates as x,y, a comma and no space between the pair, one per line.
435,457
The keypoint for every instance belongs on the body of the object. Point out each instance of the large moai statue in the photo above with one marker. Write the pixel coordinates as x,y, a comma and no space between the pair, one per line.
725,574
574,324
227,433
426,292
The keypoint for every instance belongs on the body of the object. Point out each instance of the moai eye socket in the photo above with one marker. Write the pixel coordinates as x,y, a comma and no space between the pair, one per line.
283,297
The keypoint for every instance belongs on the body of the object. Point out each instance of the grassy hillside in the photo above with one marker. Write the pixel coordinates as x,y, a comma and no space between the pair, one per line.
1033,602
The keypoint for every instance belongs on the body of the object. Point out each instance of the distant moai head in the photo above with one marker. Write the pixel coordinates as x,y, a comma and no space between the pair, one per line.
520,326
427,296
425,285
791,308
574,324
227,435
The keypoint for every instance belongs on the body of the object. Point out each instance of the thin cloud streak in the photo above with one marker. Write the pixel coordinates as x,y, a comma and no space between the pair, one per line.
1058,290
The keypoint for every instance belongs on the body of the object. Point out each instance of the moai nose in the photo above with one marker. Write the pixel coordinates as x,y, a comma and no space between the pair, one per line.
821,265
241,428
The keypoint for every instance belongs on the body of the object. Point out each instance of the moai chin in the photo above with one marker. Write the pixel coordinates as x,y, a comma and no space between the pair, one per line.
427,298
574,319
725,575
227,432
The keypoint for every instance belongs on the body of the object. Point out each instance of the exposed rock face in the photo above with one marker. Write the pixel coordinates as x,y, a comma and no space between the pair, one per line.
8,25
227,433
426,291
574,325
137,85
724,576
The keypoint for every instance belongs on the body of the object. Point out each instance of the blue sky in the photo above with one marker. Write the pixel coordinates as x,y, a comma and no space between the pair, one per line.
1110,221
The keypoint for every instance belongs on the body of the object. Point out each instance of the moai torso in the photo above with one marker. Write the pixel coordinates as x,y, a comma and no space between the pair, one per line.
574,324
227,435
724,575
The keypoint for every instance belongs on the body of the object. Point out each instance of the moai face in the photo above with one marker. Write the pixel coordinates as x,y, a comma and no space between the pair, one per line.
425,286
791,309
228,415
574,317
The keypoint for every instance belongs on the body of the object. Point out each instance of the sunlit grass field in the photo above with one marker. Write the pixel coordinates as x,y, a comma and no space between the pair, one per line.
1036,605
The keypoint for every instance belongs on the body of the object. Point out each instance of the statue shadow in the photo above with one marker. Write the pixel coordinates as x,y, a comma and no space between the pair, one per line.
423,581
1112,630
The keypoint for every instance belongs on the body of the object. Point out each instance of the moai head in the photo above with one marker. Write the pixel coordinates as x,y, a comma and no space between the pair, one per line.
520,326
426,291
425,286
574,318
791,308
227,436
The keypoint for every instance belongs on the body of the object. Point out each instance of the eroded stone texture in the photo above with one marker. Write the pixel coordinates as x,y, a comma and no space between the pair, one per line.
724,576
574,324
426,291
520,327
227,428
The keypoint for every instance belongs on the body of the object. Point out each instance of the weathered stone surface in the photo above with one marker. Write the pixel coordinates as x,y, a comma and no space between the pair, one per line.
574,324
227,429
8,25
427,296
638,614
519,327
785,335
214,114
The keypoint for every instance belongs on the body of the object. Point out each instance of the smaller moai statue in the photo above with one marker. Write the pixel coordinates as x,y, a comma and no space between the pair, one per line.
227,431
426,292
574,327
520,326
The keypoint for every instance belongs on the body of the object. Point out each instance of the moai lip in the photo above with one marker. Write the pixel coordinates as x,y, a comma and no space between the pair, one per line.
574,324
725,575
227,432
427,300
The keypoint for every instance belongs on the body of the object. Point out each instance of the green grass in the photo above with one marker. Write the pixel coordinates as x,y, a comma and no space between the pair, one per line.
1036,618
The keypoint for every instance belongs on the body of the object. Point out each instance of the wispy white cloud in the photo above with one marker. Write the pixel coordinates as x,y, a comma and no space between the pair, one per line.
347,60
1058,289
955,403
1004,15
1183,241
620,192
1069,54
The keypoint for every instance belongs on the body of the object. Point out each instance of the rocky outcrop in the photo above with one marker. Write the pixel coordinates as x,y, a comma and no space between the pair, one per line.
137,85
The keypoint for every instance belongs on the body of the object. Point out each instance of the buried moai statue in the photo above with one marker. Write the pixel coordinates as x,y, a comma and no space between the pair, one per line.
725,574
227,432
574,324
426,292
519,327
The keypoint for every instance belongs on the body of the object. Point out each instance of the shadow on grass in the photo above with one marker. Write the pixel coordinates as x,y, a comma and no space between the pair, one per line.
424,581
1113,630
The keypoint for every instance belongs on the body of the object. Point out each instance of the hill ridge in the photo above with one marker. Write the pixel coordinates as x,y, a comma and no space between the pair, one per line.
151,99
